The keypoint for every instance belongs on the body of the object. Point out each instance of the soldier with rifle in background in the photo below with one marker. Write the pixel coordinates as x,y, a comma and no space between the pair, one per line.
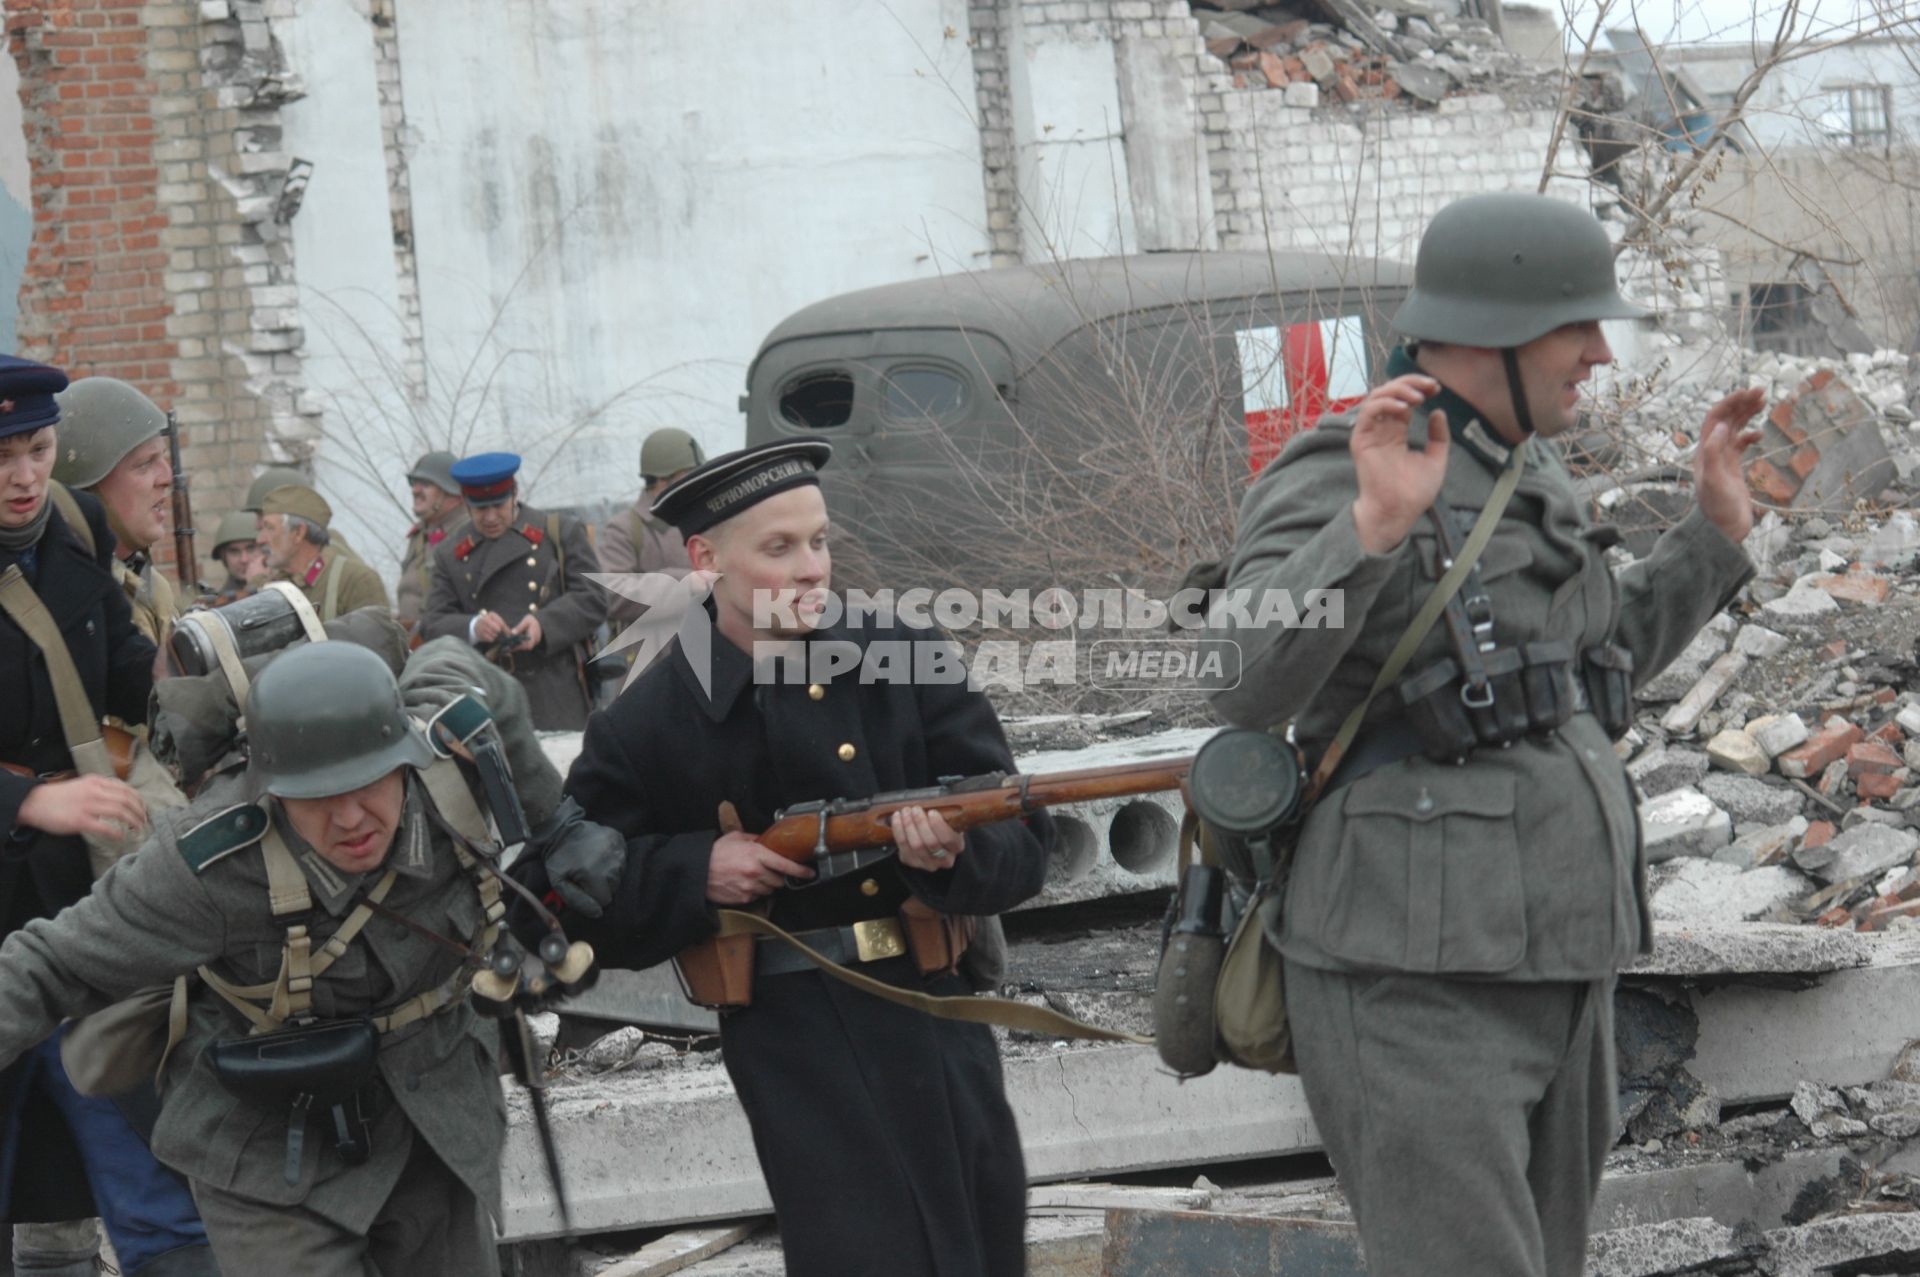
236,547
117,444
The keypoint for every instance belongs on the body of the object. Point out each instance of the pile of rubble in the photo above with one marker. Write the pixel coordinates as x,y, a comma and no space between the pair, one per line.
1363,52
1780,753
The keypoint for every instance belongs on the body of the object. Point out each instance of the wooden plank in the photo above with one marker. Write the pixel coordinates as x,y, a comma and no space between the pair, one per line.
1075,1199
681,1249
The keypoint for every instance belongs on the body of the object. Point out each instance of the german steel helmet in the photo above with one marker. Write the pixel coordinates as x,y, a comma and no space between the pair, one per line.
237,526
326,719
668,451
1498,271
271,478
435,468
102,419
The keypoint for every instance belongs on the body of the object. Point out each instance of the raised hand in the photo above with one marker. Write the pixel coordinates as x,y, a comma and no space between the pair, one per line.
1719,476
1397,483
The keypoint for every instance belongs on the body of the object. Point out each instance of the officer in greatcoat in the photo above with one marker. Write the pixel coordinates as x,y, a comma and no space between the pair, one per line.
372,1143
884,1134
1463,893
515,586
60,548
438,513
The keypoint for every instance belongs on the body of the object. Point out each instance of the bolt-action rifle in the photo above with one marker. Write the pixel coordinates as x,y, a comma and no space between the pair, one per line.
835,835
185,566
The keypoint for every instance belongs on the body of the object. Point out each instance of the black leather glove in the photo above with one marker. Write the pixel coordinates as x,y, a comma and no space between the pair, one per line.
583,860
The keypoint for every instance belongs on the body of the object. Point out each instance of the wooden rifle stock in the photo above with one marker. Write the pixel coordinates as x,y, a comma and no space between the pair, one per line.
851,824
185,566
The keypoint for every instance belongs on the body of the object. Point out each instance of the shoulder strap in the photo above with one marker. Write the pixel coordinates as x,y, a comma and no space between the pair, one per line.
559,547
78,722
1429,612
309,620
70,511
330,601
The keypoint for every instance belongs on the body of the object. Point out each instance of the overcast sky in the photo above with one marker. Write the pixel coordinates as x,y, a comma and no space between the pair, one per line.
1670,21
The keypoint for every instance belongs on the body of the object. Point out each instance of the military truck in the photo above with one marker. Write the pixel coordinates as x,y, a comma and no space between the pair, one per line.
1078,422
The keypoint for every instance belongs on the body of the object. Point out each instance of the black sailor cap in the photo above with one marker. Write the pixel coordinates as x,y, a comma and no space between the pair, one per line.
728,484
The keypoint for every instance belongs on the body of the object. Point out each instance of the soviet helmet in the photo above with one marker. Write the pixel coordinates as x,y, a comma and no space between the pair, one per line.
269,479
326,719
102,419
237,526
1497,271
435,468
669,451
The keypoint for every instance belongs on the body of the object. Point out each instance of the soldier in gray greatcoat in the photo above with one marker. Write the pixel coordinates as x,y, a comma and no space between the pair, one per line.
393,1166
1466,887
515,586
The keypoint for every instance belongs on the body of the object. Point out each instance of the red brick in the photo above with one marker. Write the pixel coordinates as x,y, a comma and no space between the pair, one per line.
1877,788
1819,380
1838,916
1835,650
1856,587
1772,483
1826,745
1782,414
1272,67
1819,834
1882,913
1885,696
1804,459
1871,758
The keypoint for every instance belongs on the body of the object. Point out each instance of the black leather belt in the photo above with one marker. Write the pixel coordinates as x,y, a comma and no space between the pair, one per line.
869,941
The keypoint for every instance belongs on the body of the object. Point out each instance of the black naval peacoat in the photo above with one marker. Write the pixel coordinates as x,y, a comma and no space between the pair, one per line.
885,1135
41,873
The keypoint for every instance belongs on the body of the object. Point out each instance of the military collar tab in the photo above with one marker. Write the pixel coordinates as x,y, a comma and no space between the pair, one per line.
1465,422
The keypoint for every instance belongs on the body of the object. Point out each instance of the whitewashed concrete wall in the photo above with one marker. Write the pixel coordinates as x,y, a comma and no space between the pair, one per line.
610,206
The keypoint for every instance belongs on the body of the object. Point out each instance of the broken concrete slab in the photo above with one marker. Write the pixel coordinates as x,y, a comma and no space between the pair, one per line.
1763,846
1756,948
1864,850
1675,681
1661,769
1706,892
1687,712
1800,603
1671,1246
1683,822
1757,642
1748,798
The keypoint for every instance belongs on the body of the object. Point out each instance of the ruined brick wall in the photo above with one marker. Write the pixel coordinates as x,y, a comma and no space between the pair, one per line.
156,253
1290,171
996,135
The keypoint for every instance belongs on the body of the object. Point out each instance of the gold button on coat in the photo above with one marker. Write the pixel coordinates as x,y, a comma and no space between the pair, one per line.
531,561
816,692
846,753
869,888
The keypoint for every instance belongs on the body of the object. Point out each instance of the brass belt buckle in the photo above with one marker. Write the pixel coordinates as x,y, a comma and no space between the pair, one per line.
878,938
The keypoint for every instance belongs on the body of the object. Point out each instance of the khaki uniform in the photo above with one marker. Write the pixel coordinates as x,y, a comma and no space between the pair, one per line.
1524,867
635,541
196,894
155,604
416,568
516,574
357,585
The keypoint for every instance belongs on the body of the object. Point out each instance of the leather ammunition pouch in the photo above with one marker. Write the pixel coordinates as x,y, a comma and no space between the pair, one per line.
329,1061
329,1066
936,941
1606,678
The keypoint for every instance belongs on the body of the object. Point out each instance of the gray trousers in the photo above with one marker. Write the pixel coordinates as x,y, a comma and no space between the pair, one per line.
1467,1121
431,1226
